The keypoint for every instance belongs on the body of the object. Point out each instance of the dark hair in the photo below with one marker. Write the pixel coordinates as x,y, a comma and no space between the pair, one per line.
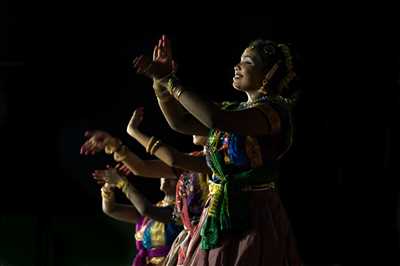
272,53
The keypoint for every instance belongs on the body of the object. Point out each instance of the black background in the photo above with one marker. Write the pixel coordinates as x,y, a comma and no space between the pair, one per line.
67,70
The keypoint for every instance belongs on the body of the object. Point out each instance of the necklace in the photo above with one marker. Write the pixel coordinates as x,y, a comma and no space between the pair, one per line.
250,104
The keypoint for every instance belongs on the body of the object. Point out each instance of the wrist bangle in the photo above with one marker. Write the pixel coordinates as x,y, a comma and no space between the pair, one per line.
112,144
177,92
106,195
124,188
173,82
121,183
150,144
121,154
155,147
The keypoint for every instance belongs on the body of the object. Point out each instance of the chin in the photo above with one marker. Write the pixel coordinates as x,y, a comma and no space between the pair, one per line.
235,86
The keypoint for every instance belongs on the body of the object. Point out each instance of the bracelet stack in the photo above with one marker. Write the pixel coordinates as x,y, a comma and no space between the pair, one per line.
153,145
173,87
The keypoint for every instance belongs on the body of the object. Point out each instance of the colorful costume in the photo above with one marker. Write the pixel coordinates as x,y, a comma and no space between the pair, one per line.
154,239
191,196
244,221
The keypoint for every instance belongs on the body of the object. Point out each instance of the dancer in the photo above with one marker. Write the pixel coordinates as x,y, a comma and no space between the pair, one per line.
244,222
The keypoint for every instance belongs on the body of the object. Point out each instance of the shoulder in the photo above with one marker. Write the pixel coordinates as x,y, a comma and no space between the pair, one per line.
271,115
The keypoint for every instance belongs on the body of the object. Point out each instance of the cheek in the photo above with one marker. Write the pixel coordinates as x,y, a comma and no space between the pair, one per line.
255,79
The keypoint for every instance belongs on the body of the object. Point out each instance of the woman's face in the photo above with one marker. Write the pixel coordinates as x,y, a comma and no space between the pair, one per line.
168,185
199,140
249,72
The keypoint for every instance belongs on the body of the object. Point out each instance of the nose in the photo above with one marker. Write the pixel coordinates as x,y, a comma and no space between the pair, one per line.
237,67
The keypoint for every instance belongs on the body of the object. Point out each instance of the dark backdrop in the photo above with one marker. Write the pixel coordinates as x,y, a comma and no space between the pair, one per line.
69,69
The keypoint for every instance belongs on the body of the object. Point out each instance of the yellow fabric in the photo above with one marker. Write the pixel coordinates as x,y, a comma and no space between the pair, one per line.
139,234
157,229
157,234
155,260
215,190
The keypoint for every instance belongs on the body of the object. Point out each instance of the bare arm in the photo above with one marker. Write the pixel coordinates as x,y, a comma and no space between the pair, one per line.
147,168
178,118
100,140
253,121
144,207
120,212
140,203
166,153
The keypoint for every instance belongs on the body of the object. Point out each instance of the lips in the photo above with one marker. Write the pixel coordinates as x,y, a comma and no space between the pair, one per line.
237,76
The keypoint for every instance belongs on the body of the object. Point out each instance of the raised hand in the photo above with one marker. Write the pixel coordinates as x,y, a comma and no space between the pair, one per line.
96,142
162,63
110,176
135,121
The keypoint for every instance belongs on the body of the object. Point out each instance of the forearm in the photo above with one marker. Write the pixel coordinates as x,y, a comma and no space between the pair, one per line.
120,212
143,206
108,204
177,117
133,195
145,168
169,155
135,164
204,111
212,116
156,147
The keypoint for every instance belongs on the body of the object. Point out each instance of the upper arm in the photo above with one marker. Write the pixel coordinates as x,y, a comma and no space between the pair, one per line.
180,120
158,169
161,214
190,126
192,163
124,213
260,120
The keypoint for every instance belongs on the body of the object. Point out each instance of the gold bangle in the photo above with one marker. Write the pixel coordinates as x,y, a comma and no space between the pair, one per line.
177,92
112,144
155,147
172,83
106,195
121,154
150,143
121,183
124,187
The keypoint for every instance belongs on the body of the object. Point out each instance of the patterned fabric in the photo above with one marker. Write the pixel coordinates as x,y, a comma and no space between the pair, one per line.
154,238
191,196
237,162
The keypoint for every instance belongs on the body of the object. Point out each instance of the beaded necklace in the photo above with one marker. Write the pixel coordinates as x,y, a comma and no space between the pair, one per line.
250,104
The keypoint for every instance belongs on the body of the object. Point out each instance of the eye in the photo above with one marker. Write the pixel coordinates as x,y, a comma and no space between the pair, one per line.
247,61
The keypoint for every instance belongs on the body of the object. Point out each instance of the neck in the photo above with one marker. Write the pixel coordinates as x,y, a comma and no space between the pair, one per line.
169,197
254,95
